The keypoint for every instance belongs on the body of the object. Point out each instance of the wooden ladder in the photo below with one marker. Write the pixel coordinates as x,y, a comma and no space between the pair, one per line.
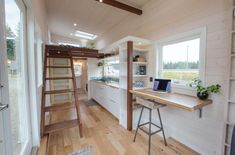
46,129
230,105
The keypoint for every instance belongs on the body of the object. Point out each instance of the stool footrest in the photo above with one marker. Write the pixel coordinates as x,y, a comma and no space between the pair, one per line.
151,124
152,133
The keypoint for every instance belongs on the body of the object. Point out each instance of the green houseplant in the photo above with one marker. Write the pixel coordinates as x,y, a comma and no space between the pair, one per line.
202,91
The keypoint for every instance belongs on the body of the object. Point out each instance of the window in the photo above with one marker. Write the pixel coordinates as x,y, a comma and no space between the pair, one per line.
78,68
111,67
181,58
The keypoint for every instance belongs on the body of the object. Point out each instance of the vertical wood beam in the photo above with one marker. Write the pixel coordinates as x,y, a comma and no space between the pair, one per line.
129,83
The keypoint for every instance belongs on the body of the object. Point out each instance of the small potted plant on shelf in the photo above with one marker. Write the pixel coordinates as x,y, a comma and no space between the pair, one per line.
202,91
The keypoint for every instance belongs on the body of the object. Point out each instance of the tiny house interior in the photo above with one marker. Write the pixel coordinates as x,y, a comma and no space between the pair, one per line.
117,77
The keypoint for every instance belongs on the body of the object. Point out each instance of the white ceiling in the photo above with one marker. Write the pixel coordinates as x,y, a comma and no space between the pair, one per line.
90,16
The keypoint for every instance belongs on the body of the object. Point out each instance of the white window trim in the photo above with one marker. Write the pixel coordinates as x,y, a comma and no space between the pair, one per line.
197,33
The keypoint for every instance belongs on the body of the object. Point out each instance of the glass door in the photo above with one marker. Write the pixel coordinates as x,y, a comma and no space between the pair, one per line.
17,119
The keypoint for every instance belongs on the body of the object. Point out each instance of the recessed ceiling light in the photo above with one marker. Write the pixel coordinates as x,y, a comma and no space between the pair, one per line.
140,43
101,1
85,35
74,24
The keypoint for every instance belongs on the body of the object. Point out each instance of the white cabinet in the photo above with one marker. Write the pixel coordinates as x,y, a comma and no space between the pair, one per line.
107,96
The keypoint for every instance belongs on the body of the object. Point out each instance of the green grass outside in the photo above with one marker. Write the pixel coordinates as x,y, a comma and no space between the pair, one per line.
180,75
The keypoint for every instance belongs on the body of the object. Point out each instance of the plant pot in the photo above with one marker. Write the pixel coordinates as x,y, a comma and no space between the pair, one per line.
203,95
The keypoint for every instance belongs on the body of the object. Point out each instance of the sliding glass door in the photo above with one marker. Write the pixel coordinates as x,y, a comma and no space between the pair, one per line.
16,119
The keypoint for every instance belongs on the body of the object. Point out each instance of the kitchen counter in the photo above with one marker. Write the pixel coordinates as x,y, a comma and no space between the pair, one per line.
111,84
107,95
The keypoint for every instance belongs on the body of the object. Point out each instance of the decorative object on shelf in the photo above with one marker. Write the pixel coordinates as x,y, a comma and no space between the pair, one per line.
142,70
101,63
138,84
139,58
203,92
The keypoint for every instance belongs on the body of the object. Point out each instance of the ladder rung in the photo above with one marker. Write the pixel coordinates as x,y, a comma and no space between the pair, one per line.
58,78
58,66
60,106
61,125
59,91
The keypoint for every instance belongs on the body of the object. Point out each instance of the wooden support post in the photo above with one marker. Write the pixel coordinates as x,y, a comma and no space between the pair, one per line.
129,83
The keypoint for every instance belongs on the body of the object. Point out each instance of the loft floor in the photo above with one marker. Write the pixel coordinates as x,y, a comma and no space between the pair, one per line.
102,131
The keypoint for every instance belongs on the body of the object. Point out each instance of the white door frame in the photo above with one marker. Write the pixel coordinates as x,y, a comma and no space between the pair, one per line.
7,143
8,148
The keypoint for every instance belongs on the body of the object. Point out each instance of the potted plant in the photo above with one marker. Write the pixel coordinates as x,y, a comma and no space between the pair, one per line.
202,91
101,63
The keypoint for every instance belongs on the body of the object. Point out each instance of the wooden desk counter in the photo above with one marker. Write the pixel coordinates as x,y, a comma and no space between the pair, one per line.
186,102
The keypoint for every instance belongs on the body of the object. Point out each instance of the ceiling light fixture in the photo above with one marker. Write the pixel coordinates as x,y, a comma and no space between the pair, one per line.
70,44
85,35
74,24
100,1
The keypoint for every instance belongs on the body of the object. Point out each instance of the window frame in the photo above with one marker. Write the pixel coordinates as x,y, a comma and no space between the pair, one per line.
197,33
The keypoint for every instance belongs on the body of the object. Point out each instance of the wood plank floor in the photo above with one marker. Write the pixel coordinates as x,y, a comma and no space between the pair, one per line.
102,131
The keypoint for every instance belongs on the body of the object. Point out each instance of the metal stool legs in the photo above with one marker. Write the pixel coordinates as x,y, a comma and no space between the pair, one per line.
142,109
149,132
160,119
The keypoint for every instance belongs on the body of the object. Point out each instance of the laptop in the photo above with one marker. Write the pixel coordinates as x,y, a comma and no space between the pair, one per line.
162,85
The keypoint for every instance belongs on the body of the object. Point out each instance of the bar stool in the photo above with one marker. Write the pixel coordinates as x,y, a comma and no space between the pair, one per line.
150,105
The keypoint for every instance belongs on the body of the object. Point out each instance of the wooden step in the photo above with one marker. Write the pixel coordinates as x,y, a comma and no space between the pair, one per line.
58,78
60,126
59,91
58,66
60,106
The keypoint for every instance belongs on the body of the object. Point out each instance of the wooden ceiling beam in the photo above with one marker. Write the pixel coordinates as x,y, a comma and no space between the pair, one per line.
70,48
122,6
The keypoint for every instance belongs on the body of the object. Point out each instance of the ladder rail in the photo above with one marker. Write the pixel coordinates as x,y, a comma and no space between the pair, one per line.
43,99
77,104
44,128
227,124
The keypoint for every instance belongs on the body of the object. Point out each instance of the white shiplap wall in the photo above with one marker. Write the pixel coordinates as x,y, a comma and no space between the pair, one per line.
165,18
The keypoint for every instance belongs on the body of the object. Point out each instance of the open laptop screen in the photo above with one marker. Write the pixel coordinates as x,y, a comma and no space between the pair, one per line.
162,85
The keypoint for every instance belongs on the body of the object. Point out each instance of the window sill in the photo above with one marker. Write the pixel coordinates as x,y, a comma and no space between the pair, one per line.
183,89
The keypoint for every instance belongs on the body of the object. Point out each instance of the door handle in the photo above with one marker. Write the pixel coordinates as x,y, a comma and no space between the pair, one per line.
3,106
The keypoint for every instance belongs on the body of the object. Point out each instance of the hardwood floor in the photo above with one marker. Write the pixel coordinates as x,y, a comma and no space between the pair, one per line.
102,131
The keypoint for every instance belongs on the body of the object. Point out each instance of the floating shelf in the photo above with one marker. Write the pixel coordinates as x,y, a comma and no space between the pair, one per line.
230,101
135,63
135,49
230,124
227,145
140,63
135,76
138,88
232,78
140,76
